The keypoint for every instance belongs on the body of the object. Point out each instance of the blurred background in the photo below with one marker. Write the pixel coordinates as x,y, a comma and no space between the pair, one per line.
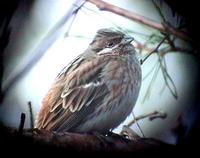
40,37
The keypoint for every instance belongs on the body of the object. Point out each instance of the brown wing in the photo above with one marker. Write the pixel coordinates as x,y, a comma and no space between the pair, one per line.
75,88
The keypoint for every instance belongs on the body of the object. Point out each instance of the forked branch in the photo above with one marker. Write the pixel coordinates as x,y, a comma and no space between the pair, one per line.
163,28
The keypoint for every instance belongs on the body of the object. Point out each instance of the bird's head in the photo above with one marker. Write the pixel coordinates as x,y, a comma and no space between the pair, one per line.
109,41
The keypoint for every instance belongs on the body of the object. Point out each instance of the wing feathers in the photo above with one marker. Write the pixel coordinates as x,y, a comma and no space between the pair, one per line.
78,91
67,119
93,101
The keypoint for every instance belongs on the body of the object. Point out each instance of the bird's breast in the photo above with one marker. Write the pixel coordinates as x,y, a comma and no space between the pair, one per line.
123,81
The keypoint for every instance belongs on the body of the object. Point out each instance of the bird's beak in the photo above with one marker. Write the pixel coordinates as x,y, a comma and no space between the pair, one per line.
127,39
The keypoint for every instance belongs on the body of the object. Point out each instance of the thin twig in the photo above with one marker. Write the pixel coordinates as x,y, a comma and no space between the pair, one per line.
157,114
167,77
138,125
165,24
73,18
126,30
171,43
154,50
31,115
140,19
154,114
153,79
143,47
159,11
22,121
150,72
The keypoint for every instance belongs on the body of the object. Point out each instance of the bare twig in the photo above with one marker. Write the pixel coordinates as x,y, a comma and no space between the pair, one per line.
138,125
159,10
158,115
73,18
22,121
142,47
171,43
132,135
151,115
152,81
140,19
167,78
154,50
31,115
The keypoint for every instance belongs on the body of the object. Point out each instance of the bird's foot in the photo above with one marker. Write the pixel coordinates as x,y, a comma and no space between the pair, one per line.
117,136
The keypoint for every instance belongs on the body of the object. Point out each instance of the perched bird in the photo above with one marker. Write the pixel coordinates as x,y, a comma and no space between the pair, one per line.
96,91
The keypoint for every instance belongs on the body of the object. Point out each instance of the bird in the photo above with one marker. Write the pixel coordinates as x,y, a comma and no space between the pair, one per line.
97,90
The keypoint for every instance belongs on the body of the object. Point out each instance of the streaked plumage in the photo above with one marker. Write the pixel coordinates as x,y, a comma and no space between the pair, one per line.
97,91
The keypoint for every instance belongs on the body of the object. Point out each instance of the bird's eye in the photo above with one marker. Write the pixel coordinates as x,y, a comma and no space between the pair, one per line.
110,44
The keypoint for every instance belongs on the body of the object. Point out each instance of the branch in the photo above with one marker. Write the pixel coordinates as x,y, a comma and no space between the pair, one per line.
131,134
140,19
93,141
154,50
151,116
85,142
142,47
